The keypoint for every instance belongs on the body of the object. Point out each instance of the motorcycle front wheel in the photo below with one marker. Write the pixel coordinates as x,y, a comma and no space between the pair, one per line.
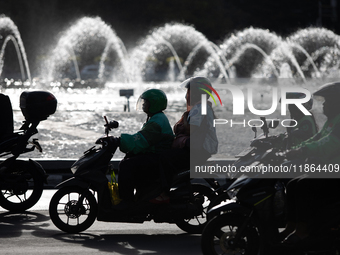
21,187
73,209
219,236
196,224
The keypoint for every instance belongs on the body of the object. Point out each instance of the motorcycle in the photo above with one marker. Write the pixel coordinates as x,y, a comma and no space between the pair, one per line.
229,212
22,182
85,197
250,156
252,210
250,224
240,226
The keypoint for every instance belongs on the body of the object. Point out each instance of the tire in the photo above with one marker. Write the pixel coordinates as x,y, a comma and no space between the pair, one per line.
63,211
219,232
196,225
22,187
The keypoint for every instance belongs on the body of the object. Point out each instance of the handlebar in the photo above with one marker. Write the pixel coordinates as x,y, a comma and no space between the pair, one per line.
109,125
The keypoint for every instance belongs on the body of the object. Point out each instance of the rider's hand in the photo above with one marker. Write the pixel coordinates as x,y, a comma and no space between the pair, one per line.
294,153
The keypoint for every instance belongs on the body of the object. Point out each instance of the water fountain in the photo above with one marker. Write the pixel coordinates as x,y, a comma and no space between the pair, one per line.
10,33
84,42
176,51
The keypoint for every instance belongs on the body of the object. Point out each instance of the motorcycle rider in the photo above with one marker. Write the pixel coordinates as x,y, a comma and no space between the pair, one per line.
303,192
306,125
6,128
195,137
142,148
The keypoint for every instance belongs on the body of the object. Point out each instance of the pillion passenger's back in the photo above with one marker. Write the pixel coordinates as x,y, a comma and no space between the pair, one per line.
6,116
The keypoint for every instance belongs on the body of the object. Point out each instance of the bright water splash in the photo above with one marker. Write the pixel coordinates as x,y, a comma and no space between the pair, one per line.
11,33
172,41
311,53
245,51
308,52
82,43
176,51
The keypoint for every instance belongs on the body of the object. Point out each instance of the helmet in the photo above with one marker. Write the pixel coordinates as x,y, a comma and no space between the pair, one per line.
157,99
196,83
328,90
198,86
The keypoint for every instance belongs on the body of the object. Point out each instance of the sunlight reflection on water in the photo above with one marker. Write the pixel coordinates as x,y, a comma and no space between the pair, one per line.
78,121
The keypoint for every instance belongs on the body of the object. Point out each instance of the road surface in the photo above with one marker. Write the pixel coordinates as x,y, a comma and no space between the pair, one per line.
33,232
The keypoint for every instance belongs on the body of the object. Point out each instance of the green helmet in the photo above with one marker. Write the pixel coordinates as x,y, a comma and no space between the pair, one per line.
157,99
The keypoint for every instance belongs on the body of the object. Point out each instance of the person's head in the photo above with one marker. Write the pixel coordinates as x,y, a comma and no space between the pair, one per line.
329,94
196,86
152,101
293,109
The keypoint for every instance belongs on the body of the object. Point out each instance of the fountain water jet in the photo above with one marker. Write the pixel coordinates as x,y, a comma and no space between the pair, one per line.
257,48
312,52
172,40
13,35
210,48
88,37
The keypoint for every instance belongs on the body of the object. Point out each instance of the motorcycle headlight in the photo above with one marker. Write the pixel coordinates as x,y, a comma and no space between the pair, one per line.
233,193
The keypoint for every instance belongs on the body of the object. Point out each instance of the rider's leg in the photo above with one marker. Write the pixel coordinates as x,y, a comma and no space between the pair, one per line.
135,170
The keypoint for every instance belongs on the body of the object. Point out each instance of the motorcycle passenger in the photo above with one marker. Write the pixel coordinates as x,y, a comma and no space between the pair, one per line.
305,128
195,137
304,193
6,128
142,148
202,140
306,125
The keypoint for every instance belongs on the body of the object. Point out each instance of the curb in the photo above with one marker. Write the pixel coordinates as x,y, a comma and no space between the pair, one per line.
59,170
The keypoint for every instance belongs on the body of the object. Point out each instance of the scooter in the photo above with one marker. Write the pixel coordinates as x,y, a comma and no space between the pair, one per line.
252,210
249,156
85,197
21,182
249,224
246,220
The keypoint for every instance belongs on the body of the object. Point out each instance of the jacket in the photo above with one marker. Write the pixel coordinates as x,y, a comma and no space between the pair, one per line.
155,136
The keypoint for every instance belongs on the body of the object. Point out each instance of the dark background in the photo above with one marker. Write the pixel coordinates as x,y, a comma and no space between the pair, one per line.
40,21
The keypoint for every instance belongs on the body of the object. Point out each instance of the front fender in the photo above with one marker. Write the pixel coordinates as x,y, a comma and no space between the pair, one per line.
233,207
73,181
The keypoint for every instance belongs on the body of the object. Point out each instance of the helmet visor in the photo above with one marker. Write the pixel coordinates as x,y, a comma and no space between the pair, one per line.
141,104
185,84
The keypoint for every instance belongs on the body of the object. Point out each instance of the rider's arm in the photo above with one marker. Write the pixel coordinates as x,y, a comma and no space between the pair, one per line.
304,131
155,135
325,147
141,140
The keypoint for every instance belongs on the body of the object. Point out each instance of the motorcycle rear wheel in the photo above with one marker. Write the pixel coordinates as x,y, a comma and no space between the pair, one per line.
196,225
22,188
218,237
67,215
